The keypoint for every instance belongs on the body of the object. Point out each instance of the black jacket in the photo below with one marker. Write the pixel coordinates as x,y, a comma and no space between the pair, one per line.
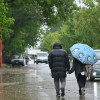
78,67
58,62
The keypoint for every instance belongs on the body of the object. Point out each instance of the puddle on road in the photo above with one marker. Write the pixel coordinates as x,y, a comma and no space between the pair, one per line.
21,85
29,84
18,85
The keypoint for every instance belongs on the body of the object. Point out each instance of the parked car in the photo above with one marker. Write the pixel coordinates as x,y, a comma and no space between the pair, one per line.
17,60
42,57
95,70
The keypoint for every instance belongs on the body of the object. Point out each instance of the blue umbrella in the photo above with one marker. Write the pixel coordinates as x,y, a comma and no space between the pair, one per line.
83,53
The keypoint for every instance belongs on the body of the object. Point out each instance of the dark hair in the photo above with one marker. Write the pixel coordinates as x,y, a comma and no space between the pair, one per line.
57,45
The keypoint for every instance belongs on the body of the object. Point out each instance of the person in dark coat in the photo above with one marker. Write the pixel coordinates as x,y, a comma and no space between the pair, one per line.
59,64
26,60
80,73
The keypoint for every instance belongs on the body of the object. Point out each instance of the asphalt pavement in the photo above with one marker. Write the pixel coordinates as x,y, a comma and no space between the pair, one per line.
34,82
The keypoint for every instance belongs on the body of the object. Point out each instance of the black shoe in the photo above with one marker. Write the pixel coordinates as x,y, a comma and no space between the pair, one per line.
62,92
58,96
82,92
62,95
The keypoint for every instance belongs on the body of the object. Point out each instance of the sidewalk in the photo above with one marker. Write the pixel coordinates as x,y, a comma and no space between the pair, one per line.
34,82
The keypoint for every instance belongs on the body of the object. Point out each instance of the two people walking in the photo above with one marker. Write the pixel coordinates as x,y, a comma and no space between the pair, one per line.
60,65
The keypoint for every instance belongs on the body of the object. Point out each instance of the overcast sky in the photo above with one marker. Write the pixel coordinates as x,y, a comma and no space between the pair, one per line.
79,3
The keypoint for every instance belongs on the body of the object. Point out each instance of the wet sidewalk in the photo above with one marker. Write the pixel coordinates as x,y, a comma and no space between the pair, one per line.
35,83
26,83
18,84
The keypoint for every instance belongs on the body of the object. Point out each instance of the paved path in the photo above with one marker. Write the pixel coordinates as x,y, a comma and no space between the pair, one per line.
33,82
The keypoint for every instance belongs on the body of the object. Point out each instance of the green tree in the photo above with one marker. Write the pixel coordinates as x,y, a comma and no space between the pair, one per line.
67,37
49,40
82,26
5,21
87,25
30,15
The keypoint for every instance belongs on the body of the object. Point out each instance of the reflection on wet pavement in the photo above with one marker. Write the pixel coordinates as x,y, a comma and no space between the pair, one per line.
35,83
18,84
81,97
95,90
1,88
58,98
62,98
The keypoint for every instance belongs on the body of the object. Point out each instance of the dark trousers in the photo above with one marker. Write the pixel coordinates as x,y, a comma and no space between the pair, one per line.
81,80
60,84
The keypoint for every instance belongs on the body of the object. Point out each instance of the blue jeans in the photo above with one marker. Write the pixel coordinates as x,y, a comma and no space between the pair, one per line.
60,84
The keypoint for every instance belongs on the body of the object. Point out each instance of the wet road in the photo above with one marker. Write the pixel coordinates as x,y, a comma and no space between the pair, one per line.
33,82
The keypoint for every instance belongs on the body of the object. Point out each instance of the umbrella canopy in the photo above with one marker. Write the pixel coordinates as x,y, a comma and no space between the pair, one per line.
83,53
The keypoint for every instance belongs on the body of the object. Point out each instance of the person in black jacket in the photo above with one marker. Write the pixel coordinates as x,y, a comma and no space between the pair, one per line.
59,64
26,60
80,74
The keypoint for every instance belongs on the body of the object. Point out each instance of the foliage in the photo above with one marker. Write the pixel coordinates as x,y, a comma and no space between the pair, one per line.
67,37
30,15
49,40
5,21
83,26
26,27
87,26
